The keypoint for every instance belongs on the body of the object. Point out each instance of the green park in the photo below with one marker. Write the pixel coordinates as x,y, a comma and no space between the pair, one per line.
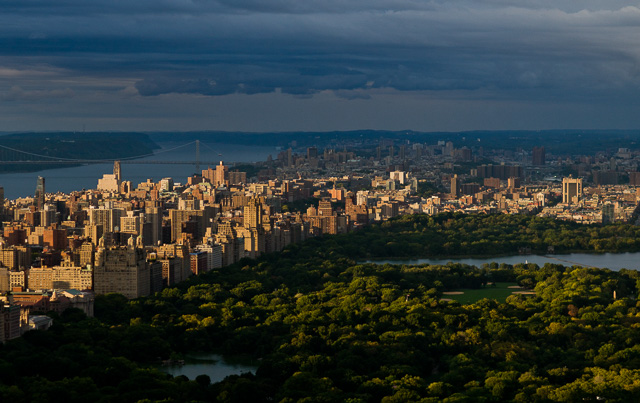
323,328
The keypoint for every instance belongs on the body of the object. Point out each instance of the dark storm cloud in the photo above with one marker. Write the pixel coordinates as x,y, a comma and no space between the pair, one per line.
227,79
508,48
16,93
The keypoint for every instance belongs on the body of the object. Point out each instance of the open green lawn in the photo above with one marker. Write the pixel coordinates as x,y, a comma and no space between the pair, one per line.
500,293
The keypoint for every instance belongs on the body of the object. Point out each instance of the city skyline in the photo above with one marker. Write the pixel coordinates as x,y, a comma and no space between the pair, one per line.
321,65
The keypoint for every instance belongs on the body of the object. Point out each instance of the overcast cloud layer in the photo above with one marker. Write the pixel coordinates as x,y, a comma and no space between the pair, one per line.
318,65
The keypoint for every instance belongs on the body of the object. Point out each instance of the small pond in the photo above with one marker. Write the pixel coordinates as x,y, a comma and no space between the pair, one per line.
214,365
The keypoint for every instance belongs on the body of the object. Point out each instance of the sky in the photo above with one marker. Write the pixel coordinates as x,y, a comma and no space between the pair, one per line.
317,65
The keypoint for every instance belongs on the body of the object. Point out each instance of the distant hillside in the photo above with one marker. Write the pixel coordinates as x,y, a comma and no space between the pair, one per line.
560,142
90,146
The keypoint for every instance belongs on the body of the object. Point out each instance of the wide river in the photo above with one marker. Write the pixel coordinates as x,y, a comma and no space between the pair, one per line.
86,176
613,261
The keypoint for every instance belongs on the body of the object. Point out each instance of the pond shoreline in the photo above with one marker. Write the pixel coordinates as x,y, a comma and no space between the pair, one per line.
607,260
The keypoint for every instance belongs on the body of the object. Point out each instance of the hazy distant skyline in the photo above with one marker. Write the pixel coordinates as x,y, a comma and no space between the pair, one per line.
284,65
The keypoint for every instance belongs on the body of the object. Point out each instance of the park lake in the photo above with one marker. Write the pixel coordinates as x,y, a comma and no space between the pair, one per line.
613,261
213,365
218,367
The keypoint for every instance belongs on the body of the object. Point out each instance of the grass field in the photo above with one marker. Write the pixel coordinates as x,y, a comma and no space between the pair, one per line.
500,293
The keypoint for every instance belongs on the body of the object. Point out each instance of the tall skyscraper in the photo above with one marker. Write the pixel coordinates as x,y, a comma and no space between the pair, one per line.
116,171
153,215
253,214
571,190
220,175
39,196
455,186
289,158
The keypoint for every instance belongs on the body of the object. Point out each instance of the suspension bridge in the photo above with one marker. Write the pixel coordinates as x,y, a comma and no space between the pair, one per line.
13,156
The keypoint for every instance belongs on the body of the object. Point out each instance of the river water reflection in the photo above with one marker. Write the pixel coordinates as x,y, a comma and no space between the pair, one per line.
613,261
213,365
21,184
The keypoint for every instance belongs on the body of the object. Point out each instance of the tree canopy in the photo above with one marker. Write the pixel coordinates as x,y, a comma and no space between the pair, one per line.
325,327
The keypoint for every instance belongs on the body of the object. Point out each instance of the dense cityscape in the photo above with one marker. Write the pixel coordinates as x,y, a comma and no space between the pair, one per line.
269,263
59,250
319,201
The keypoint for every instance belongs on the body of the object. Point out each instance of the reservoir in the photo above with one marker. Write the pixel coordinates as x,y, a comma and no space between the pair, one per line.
213,365
613,261
86,177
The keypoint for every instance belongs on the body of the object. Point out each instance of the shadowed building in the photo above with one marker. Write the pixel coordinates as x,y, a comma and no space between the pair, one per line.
122,269
538,156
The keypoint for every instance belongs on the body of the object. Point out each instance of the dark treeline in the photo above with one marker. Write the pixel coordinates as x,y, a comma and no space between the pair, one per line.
483,235
326,328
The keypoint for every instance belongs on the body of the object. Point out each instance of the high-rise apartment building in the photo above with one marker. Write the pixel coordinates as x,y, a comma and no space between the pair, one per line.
166,184
325,208
123,270
153,215
86,252
214,254
220,175
503,172
571,190
237,177
55,238
107,217
10,321
538,156
39,198
312,152
198,262
117,171
15,257
175,262
455,186
634,178
289,161
179,217
131,224
253,214
492,183
608,213
5,279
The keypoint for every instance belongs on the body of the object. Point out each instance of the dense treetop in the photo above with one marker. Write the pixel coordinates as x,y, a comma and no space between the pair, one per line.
325,327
